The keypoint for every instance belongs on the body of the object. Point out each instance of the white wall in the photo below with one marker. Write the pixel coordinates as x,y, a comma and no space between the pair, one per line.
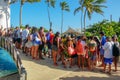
4,14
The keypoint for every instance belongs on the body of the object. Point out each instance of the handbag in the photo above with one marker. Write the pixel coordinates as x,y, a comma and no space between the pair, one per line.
71,51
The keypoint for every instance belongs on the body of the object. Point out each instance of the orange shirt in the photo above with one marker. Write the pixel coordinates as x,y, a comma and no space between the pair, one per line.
79,48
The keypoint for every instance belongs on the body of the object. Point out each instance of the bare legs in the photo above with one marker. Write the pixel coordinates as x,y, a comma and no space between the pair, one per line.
54,54
82,60
115,62
34,52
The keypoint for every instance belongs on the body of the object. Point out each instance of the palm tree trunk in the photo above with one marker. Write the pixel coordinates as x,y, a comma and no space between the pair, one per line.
50,23
61,21
81,20
20,16
85,19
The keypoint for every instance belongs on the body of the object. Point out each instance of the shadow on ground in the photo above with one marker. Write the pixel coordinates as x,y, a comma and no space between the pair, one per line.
90,78
49,62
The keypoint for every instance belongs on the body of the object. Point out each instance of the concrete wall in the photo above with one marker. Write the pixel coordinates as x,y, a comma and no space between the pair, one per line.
4,14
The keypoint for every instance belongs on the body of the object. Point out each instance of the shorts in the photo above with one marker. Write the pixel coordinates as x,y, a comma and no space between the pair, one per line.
28,44
49,45
18,40
41,46
101,51
108,60
73,56
24,42
93,58
54,47
35,44
14,40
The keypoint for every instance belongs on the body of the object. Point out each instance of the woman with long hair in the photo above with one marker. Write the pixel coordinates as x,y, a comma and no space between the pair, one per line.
55,47
36,40
115,52
71,50
92,52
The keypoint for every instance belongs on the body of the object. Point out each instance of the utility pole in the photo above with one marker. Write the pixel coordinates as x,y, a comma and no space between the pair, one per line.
119,19
111,18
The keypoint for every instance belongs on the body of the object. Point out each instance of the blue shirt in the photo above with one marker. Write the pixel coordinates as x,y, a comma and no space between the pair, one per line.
103,41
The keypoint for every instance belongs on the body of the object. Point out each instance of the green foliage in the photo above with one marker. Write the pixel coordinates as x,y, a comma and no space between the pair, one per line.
88,33
51,3
45,30
64,6
109,28
88,7
22,27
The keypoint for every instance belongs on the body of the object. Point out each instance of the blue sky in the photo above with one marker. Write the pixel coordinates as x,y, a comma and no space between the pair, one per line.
35,14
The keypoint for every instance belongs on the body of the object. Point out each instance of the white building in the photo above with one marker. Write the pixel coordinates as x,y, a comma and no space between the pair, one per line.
4,14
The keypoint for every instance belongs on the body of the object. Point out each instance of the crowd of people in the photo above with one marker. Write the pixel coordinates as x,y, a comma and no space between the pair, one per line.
85,52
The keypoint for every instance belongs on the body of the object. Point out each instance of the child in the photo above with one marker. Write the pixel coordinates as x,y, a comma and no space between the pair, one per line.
108,54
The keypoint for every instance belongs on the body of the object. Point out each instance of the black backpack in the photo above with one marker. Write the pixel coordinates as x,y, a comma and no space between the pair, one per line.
115,50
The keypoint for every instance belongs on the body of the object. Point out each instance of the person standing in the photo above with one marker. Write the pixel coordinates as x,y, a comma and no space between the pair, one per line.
103,41
49,40
108,57
116,51
43,39
80,52
55,47
36,41
93,52
18,40
25,34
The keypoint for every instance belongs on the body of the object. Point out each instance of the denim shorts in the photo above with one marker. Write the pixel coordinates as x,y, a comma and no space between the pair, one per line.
93,58
101,51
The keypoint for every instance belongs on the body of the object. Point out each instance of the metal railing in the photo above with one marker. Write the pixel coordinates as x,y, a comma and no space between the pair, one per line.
7,44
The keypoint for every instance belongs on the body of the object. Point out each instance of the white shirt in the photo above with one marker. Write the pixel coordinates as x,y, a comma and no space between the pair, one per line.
25,33
19,33
108,50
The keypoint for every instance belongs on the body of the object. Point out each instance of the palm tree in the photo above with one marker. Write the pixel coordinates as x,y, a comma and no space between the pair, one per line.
80,8
64,7
89,7
21,6
52,4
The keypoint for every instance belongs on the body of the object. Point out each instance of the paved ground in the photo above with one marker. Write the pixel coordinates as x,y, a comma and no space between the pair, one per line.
44,70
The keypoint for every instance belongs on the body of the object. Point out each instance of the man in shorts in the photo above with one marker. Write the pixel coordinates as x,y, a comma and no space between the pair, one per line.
25,34
43,39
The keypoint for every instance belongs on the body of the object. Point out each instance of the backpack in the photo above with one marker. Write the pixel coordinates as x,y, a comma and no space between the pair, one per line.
48,37
115,50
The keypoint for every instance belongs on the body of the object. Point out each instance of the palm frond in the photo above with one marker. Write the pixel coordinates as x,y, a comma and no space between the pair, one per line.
102,6
64,6
13,1
52,3
89,14
98,10
99,1
31,1
77,10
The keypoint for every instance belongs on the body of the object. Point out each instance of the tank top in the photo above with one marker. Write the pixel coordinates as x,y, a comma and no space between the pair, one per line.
55,41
